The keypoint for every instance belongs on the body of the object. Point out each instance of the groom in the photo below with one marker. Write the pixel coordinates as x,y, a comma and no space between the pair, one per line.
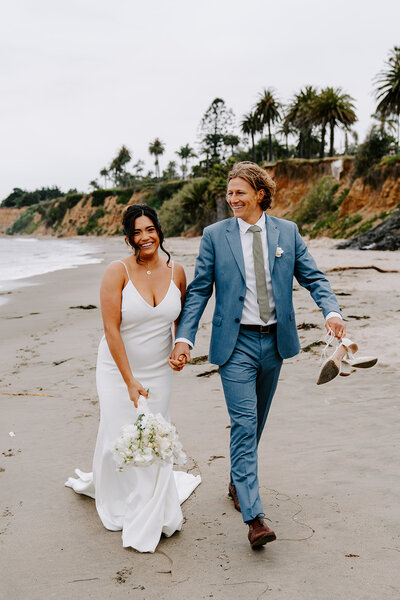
251,259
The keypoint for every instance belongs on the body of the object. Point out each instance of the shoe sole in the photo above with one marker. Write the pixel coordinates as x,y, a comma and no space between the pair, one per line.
366,364
328,372
263,539
234,503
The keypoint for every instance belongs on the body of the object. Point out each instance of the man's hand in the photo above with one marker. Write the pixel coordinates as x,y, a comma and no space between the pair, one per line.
180,356
336,325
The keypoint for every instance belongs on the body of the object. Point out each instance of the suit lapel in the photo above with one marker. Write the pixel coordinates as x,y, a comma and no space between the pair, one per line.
272,241
233,237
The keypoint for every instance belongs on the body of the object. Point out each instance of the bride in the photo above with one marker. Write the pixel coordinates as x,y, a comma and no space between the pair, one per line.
141,297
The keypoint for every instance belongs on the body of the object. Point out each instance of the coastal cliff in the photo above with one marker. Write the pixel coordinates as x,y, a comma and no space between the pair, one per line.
294,179
354,206
7,217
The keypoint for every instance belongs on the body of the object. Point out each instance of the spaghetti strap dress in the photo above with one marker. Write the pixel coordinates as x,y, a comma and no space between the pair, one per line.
143,502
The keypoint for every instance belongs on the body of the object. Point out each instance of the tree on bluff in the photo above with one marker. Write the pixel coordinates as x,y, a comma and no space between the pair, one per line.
118,166
388,88
19,198
217,123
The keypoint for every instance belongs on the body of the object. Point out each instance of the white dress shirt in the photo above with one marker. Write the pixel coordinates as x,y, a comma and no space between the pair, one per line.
251,311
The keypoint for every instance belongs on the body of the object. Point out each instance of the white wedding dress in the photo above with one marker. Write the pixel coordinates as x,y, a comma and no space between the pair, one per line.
143,502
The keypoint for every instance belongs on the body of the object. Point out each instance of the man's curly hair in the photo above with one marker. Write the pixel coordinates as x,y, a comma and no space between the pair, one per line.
257,178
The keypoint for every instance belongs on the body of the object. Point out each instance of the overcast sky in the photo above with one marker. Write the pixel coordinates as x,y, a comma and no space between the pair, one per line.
79,78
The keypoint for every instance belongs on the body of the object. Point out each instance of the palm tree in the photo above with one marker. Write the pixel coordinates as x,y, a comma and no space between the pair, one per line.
138,168
170,172
388,88
249,126
334,107
118,165
185,153
268,110
285,130
232,141
300,115
104,174
157,148
94,184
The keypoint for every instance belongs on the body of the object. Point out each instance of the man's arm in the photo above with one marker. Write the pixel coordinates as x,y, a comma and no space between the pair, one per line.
314,280
197,296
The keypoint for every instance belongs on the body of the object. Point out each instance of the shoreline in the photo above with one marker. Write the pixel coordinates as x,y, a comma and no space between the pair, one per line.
327,465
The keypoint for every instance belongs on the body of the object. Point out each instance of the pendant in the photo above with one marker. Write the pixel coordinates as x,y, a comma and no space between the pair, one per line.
148,272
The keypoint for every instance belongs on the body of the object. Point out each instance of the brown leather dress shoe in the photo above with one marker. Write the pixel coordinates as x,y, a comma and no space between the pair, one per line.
260,533
233,494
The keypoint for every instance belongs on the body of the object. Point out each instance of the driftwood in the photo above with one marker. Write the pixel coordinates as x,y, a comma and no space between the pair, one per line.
369,267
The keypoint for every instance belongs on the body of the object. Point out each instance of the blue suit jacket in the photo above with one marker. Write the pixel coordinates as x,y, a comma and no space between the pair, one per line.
221,262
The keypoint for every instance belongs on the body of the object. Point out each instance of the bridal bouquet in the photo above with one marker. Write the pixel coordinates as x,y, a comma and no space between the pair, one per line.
149,439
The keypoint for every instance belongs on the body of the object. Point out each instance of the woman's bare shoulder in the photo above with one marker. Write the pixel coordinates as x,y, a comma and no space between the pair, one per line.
116,271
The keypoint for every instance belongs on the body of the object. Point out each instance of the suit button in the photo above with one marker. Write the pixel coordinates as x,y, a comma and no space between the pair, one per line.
241,298
237,320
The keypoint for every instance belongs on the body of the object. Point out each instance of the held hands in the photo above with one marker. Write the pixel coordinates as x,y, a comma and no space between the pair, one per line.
336,326
135,390
180,356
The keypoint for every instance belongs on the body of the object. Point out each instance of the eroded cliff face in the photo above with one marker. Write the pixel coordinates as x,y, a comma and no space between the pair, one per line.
73,215
365,201
294,179
87,217
379,193
7,217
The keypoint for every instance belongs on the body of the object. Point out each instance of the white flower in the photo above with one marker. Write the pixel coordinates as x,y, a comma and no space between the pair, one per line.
279,252
151,438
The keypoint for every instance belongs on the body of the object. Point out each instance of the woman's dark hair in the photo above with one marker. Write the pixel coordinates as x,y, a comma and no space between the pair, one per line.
128,225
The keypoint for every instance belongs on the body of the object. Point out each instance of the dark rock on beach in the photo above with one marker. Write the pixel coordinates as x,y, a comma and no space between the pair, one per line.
385,236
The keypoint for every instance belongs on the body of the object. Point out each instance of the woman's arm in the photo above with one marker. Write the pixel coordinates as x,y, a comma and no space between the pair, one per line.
180,282
112,284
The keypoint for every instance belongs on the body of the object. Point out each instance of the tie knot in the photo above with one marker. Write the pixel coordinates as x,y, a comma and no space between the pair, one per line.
254,228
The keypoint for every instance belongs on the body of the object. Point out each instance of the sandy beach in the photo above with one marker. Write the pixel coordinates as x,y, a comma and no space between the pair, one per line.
328,460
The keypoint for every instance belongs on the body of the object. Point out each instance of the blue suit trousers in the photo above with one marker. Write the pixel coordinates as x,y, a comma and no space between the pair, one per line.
249,379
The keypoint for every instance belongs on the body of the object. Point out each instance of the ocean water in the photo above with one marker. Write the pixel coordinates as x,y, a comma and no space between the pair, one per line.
21,258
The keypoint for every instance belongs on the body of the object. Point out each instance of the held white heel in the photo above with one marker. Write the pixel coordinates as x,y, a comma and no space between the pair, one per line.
331,366
342,361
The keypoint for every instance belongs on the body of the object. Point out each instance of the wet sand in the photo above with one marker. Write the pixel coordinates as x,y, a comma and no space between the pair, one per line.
328,459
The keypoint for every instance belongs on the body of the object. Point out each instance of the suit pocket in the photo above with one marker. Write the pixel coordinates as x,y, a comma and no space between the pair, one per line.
217,320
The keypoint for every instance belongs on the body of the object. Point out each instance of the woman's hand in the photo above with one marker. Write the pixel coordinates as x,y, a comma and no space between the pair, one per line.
178,364
135,390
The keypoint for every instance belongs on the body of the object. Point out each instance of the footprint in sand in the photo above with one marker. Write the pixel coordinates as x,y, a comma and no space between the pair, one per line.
11,452
122,575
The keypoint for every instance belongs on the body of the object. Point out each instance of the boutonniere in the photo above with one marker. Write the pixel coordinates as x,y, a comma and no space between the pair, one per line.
278,252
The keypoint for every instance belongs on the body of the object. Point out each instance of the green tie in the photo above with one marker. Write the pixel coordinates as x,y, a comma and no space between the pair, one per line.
261,284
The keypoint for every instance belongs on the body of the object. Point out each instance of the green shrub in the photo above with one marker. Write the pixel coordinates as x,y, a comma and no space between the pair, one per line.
98,196
390,160
24,223
363,228
156,196
21,198
371,152
192,205
55,214
319,201
339,228
92,224
124,195
72,199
